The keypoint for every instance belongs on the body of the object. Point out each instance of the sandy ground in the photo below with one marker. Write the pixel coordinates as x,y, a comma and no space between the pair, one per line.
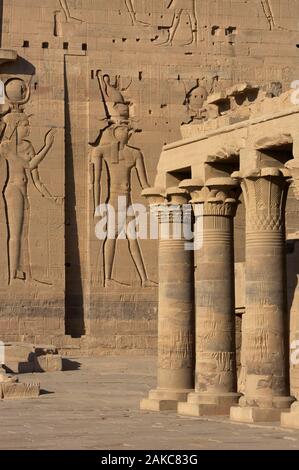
96,406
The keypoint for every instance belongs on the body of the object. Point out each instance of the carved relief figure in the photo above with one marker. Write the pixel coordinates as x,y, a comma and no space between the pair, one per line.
195,99
178,7
120,159
131,9
196,103
22,163
268,11
116,108
62,16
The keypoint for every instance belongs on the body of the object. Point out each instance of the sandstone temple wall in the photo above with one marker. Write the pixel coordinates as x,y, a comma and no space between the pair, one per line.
159,51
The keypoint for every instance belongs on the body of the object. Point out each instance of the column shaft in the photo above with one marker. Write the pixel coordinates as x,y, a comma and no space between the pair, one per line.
176,317
214,286
265,332
215,378
176,348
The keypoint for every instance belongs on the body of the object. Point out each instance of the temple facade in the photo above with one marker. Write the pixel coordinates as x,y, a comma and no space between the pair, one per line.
91,93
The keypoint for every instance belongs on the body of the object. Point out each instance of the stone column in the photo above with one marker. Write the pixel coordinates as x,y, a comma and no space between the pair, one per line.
265,331
176,305
291,419
215,204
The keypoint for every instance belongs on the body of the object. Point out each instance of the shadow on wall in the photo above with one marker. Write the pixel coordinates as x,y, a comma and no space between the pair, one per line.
20,67
74,309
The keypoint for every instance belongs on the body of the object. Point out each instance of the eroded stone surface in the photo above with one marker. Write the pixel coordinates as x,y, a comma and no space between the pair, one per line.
12,389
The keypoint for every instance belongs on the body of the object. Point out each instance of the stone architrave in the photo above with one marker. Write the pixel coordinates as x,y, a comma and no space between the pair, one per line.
265,335
215,204
176,307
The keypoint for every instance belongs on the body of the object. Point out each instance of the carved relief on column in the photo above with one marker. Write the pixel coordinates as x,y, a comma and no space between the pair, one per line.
265,195
215,204
176,309
265,333
219,208
176,334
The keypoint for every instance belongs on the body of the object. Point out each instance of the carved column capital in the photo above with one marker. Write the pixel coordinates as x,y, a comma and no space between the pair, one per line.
219,196
155,196
265,193
294,172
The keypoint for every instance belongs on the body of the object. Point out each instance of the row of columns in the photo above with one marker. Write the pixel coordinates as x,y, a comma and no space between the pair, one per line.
196,334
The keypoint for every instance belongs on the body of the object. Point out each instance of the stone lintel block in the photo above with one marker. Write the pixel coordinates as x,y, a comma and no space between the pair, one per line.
201,409
19,391
48,363
18,352
290,419
253,414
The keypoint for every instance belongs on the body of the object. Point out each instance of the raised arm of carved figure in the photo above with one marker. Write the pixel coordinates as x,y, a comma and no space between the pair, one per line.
141,171
49,140
97,162
42,189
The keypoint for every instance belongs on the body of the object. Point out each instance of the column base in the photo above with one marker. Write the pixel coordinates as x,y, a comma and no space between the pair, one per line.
291,419
164,400
254,414
208,405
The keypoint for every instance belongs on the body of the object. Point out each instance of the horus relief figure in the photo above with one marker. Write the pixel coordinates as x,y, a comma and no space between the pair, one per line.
120,159
178,7
132,12
22,165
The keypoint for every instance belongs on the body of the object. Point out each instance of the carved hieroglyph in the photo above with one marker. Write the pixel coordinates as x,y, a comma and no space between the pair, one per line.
120,158
22,163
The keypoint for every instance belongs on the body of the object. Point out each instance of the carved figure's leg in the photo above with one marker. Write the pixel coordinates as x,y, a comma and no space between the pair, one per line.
15,214
175,25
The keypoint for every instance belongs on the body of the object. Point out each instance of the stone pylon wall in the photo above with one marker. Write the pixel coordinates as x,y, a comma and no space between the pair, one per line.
159,51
